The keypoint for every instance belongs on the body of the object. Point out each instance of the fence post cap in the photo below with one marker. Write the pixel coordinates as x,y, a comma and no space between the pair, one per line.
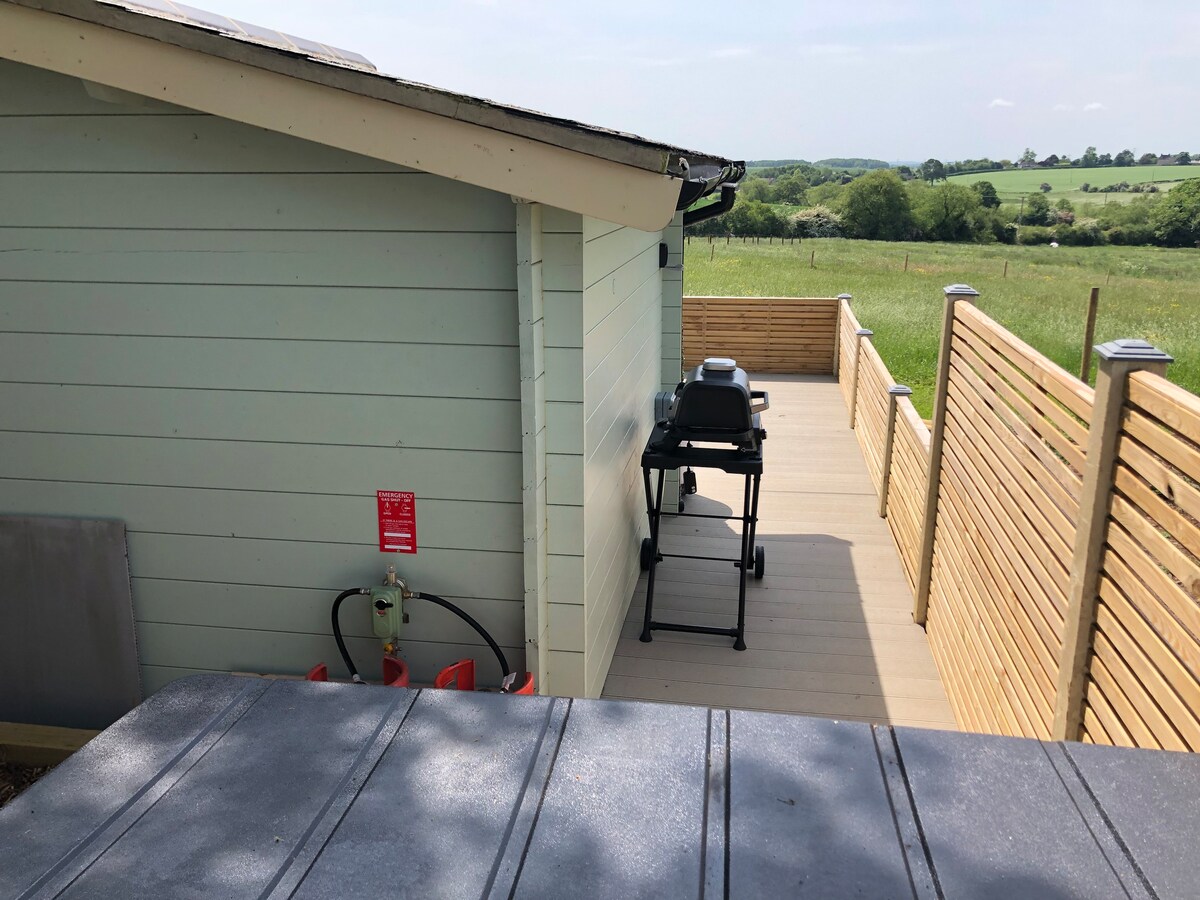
865,332
1133,350
844,297
900,390
960,290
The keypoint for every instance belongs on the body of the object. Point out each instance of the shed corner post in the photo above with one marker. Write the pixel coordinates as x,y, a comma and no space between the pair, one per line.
1116,360
954,294
895,392
843,301
858,339
530,331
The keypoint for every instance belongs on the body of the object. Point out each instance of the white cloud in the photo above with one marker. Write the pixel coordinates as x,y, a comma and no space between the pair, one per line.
832,50
1000,102
730,53
1093,106
1063,107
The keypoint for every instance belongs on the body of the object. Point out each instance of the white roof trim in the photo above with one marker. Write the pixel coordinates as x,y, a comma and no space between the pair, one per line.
383,129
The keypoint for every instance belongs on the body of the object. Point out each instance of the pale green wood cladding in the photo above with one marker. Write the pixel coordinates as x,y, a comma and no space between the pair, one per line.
230,339
622,321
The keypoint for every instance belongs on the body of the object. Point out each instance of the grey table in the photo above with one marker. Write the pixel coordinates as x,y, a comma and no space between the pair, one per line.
224,787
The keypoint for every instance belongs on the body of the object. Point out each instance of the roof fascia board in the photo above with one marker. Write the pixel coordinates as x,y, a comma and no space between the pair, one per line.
370,126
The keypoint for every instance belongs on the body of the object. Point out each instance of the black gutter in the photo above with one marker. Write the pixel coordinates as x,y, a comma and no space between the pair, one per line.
706,180
722,206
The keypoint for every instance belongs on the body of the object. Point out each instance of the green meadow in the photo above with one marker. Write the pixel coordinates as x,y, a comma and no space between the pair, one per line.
1013,184
1145,292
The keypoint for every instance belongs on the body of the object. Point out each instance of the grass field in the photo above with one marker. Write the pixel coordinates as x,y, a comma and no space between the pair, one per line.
1013,184
1152,293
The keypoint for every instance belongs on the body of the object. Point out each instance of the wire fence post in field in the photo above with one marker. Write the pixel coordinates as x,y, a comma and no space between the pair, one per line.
905,262
955,294
1089,334
895,392
712,248
812,260
1005,275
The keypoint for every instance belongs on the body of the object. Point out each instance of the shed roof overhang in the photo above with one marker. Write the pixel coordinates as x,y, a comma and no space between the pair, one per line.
610,175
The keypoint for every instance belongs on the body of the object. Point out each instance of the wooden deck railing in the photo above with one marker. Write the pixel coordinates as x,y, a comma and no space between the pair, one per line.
764,334
1050,532
1060,582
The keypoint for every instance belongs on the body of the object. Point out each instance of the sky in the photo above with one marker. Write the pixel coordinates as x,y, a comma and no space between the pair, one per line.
760,79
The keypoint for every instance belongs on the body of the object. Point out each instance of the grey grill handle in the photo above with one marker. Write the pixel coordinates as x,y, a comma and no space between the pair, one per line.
759,400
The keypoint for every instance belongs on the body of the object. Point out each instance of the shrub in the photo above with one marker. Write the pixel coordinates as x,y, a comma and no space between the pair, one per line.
1084,233
1133,235
1036,234
817,222
1176,218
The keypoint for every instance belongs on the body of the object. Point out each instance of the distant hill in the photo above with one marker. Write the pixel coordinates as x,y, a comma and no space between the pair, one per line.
775,163
847,163
1013,184
853,163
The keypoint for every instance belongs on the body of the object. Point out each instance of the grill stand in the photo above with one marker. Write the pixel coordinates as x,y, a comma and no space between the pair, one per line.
736,462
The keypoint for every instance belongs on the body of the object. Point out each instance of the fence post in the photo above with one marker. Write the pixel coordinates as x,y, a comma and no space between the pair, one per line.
955,293
837,336
860,334
895,392
1089,334
1116,360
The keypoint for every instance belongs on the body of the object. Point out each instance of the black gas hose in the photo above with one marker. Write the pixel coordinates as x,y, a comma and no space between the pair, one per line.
500,657
432,598
337,631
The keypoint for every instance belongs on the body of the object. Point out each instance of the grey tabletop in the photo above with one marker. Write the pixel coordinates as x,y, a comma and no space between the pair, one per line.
233,787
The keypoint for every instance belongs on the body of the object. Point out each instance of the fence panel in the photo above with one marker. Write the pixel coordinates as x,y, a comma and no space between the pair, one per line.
847,326
764,334
1015,441
1143,684
909,480
871,410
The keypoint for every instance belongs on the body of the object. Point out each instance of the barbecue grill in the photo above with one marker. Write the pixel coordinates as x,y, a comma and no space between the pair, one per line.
714,404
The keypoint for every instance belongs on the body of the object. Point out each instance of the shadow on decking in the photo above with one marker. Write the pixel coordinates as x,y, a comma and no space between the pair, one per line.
829,629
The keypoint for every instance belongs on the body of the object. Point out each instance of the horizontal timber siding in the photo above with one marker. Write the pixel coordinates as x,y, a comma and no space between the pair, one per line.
231,339
622,370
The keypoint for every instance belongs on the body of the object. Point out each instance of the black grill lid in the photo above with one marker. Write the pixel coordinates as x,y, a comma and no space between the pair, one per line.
714,404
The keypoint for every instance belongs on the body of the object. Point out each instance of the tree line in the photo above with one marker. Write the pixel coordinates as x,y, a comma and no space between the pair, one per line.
882,205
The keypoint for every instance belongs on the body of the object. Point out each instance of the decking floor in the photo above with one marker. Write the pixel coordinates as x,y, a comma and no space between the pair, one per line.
829,630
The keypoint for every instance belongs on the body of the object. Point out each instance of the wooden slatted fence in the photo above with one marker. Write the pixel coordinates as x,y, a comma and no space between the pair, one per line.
867,395
1016,428
1008,538
1143,674
764,334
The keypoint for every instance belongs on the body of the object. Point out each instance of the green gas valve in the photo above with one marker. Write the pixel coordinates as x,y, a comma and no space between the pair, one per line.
387,608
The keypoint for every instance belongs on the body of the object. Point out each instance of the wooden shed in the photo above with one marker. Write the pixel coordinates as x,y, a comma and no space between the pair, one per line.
246,282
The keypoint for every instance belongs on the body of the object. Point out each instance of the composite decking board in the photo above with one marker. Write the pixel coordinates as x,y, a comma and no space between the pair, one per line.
1000,821
240,787
1169,782
829,556
809,810
588,835
451,753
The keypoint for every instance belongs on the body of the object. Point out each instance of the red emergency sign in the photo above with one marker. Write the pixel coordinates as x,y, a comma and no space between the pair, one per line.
397,521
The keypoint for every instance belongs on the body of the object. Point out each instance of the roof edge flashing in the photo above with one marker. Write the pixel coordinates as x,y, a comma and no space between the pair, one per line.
622,148
283,99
